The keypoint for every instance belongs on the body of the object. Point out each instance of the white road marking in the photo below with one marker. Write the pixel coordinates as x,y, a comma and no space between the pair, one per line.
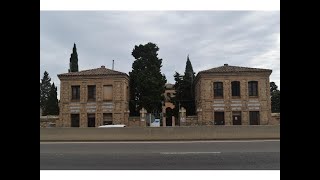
190,152
155,142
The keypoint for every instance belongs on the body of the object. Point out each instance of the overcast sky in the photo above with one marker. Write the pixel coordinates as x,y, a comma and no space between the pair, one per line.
211,38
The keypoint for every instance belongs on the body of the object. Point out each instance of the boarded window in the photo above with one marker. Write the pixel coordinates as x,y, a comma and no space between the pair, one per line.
218,89
75,90
218,118
253,88
235,86
75,119
107,118
254,117
92,93
107,93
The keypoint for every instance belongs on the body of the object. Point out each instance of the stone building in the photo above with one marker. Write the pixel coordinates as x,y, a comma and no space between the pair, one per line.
168,106
94,97
232,95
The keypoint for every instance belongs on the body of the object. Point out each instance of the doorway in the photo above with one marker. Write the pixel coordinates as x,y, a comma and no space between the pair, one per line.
91,120
169,114
75,118
236,118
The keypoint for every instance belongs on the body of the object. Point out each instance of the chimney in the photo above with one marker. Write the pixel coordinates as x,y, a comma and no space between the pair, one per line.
112,64
225,64
103,67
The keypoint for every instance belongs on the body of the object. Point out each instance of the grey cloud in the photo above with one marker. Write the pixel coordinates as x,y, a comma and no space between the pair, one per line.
212,38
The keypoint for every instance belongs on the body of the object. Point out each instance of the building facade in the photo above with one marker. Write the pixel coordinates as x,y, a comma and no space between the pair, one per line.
167,108
233,95
94,97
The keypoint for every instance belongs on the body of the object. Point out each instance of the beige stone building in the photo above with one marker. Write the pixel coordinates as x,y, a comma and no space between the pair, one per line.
168,106
94,97
232,95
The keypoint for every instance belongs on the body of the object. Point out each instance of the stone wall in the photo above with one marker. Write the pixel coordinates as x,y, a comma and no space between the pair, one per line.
192,121
134,121
168,133
275,119
48,121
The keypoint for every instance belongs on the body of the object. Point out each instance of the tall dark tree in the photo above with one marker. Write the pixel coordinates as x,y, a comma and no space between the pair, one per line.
176,99
146,81
52,107
189,74
185,90
188,96
273,87
74,60
275,98
45,87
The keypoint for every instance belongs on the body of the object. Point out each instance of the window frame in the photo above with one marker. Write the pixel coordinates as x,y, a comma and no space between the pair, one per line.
104,118
253,91
75,94
222,114
92,92
235,89
218,90
251,120
111,99
73,119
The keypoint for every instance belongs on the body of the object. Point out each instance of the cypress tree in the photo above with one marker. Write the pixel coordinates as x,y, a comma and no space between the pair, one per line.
185,90
52,107
275,98
74,60
45,87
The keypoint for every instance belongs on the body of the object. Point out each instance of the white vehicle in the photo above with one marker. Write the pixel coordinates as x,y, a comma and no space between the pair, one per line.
112,126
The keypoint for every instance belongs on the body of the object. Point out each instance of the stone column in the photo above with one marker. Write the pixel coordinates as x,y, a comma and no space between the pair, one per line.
182,116
199,114
143,113
173,121
164,122
126,117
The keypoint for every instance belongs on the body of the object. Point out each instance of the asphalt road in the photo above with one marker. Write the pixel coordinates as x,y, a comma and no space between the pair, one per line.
213,155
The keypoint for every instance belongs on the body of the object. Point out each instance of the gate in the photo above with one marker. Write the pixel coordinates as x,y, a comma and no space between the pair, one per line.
154,119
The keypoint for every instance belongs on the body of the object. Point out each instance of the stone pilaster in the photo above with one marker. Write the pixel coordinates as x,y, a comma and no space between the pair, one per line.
83,120
245,118
228,117
99,119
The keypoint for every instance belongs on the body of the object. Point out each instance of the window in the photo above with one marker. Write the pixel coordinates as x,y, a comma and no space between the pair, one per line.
107,118
218,118
218,89
75,92
75,120
254,117
91,120
92,93
107,93
235,87
253,88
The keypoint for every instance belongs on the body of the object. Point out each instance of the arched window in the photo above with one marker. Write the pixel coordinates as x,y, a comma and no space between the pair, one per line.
253,88
235,87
